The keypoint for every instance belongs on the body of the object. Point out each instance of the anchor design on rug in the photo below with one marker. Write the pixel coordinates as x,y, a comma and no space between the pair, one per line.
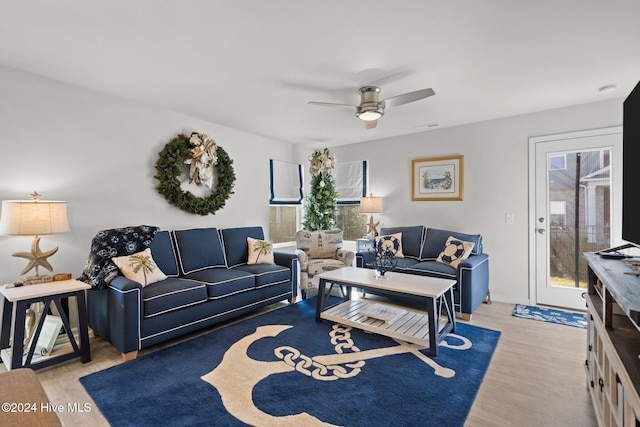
237,374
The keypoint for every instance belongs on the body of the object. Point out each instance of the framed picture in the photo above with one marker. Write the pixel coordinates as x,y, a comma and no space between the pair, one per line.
437,178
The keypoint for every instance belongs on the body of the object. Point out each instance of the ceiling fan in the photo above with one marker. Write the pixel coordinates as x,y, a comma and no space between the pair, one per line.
371,108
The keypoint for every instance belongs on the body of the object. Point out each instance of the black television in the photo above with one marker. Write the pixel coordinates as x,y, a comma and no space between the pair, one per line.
631,167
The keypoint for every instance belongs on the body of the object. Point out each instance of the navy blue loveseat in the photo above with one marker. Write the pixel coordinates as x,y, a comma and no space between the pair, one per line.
208,281
421,247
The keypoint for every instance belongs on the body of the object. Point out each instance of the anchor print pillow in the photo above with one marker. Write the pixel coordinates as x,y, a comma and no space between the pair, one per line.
391,242
455,251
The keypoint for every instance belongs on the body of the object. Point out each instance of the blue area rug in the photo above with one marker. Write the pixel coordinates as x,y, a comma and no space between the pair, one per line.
551,315
284,369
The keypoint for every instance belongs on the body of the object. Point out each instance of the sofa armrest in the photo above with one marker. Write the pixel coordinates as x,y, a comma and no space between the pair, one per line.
473,282
474,261
115,313
346,256
123,284
289,260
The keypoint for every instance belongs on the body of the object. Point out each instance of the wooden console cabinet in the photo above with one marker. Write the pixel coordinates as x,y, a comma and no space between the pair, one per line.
613,344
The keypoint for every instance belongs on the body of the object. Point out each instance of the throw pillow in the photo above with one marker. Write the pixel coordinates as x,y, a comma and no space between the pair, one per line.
139,267
455,251
392,242
260,251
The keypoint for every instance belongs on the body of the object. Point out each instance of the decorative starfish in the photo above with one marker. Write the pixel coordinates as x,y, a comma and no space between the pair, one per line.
373,226
36,257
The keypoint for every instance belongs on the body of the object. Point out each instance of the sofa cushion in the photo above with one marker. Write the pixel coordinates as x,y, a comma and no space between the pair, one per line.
234,242
164,254
266,274
260,251
412,238
222,282
404,263
391,242
436,239
198,249
139,267
172,294
455,251
433,269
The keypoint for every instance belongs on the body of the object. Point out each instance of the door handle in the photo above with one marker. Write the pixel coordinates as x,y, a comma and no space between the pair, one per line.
540,230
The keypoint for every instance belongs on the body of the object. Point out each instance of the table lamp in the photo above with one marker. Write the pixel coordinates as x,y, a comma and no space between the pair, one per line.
34,217
371,205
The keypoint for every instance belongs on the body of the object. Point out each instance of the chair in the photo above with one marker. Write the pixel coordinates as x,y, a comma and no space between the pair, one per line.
319,251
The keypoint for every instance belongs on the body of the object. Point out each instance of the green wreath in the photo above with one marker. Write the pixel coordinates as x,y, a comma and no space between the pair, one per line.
170,160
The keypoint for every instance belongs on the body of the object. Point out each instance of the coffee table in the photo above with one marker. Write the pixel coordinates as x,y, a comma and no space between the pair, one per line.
412,325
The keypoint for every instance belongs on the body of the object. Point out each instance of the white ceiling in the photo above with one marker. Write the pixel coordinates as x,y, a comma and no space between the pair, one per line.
254,64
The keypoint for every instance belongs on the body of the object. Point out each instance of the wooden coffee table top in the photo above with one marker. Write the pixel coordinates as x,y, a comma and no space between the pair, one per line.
410,284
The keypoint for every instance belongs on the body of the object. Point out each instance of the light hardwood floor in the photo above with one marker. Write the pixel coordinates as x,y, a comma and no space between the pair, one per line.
536,377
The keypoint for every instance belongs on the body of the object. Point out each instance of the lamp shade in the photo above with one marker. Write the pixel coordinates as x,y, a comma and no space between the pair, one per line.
371,205
33,217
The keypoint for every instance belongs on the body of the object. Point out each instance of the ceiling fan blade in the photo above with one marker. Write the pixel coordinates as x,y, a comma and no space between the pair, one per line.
331,104
406,98
370,124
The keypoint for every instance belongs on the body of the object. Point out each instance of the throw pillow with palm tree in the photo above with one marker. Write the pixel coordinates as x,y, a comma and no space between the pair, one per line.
260,251
139,267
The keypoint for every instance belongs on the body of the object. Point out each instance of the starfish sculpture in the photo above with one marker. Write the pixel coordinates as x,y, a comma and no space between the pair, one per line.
36,257
373,226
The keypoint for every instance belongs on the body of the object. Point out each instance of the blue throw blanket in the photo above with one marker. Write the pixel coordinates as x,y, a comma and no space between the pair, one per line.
99,270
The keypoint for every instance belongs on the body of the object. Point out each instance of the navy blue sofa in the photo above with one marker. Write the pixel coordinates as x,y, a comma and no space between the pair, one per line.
208,281
421,246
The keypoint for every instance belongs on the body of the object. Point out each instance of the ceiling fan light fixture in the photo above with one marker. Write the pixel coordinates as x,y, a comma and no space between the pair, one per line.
368,113
371,108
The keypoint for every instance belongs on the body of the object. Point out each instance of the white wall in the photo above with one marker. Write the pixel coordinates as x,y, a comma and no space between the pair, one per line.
98,153
495,181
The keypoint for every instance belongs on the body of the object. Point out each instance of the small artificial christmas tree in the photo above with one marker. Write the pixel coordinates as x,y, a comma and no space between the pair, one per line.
321,202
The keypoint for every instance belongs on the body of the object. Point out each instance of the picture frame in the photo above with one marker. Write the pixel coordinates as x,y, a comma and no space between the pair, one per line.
437,178
48,334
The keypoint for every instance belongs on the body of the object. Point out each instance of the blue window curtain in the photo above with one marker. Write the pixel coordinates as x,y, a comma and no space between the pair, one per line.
286,183
351,180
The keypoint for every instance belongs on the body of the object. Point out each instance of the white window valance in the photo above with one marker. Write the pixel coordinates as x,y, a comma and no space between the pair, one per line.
351,180
286,183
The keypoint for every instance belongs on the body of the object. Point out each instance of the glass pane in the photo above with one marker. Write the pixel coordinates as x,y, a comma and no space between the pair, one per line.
282,223
352,223
579,213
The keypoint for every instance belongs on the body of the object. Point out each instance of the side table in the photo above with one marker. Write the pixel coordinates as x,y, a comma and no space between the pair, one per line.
18,300
363,245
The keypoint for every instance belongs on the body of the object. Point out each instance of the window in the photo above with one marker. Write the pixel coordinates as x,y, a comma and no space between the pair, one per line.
351,184
351,181
558,162
352,223
285,200
286,183
283,223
